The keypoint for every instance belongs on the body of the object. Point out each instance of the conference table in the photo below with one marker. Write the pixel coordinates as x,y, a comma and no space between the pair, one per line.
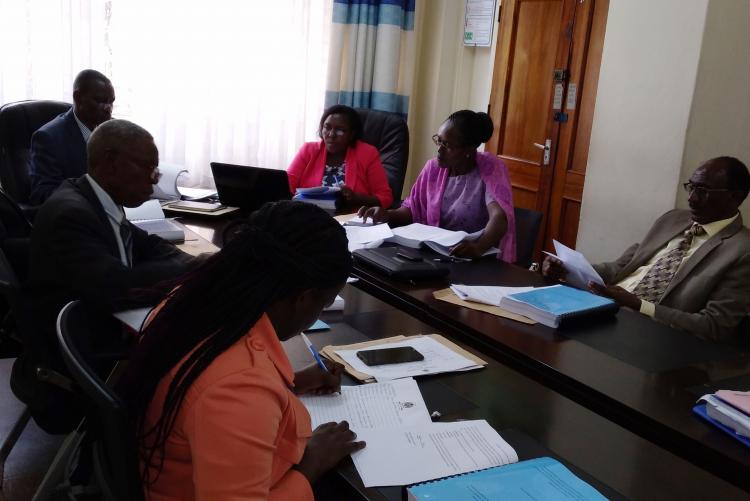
611,398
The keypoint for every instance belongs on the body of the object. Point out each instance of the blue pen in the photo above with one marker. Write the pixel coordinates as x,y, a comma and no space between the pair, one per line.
314,352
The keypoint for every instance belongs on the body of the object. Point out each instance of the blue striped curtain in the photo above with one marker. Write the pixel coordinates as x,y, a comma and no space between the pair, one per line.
371,62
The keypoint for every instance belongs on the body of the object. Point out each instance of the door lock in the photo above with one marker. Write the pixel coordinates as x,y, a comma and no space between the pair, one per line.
546,147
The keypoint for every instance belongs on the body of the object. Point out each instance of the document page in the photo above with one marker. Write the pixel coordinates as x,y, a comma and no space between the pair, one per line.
485,294
369,236
437,358
417,454
150,209
377,405
414,234
580,271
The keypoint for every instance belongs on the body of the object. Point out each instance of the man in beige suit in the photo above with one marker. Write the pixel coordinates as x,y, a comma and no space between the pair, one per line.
692,269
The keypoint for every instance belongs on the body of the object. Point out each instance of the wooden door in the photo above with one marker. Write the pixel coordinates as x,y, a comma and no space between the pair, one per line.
542,97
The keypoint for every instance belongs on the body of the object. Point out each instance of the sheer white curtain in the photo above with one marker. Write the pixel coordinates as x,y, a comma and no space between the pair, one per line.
228,80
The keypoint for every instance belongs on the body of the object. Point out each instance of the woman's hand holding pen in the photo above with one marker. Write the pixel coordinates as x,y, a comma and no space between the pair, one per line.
313,380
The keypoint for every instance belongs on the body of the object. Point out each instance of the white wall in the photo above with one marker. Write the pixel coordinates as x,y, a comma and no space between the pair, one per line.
648,73
449,76
720,117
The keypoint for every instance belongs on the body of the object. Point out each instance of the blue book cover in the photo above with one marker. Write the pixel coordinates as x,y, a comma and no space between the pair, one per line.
538,479
700,411
561,300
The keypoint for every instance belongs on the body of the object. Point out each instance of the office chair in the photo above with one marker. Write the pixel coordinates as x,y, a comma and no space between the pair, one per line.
389,133
114,451
18,122
528,223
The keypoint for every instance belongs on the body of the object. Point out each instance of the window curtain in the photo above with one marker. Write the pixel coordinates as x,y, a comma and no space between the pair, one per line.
228,80
372,54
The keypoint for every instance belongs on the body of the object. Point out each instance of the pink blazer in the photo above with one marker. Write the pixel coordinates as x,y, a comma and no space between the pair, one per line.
363,173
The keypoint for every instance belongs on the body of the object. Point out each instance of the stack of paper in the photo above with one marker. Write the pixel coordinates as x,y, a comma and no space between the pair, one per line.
403,445
366,236
449,296
149,217
730,409
364,373
485,294
551,305
440,240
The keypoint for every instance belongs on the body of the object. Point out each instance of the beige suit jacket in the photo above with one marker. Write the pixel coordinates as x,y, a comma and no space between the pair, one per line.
710,294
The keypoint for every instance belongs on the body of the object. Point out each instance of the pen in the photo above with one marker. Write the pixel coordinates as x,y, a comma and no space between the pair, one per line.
314,352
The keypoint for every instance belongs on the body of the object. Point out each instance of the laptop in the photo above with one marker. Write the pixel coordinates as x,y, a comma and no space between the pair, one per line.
249,187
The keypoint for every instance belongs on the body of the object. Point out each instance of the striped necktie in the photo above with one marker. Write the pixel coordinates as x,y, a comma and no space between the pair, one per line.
652,286
126,234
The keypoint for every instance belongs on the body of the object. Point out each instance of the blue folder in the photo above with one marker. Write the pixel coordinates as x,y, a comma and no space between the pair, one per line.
539,479
700,411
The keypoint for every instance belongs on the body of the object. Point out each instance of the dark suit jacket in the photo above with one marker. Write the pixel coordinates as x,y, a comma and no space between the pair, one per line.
58,152
74,255
710,294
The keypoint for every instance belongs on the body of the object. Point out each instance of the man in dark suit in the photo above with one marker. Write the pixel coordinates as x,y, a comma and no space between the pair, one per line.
82,247
692,269
58,148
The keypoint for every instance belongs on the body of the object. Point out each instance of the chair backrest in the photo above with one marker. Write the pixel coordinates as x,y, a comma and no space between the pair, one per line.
115,448
389,133
527,231
15,236
18,121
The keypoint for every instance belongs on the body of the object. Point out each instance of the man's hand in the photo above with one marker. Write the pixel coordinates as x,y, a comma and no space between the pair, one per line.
329,444
377,214
312,379
618,294
553,268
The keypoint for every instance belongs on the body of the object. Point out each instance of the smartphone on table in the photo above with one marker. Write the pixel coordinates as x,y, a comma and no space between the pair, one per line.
384,356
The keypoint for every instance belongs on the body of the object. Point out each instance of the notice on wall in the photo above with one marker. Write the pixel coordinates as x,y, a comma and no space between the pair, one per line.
479,21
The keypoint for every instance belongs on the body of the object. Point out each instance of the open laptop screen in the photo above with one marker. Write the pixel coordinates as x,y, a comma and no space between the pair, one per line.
249,187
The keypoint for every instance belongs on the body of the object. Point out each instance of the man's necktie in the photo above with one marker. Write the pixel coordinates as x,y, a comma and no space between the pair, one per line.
652,286
126,234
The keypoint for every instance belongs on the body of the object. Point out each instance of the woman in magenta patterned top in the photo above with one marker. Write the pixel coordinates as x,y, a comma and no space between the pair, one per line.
461,189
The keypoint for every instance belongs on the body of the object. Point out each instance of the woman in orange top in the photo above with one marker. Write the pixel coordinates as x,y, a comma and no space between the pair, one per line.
211,389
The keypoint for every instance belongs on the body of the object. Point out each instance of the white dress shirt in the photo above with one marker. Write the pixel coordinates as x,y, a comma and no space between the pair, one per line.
115,213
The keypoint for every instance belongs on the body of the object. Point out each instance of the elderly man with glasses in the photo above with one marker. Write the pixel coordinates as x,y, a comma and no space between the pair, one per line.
692,269
83,247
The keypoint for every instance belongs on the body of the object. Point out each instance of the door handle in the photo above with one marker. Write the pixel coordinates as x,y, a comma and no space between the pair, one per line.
546,147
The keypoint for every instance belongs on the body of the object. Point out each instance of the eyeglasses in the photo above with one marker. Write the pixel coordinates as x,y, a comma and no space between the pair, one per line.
337,131
701,191
445,144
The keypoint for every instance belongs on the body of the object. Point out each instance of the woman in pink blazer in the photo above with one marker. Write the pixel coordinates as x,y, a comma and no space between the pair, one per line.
340,158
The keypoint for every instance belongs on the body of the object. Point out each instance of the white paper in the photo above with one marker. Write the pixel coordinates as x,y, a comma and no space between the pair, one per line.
369,233
580,271
414,234
337,305
417,454
166,188
727,415
150,209
196,193
133,318
378,405
485,294
437,359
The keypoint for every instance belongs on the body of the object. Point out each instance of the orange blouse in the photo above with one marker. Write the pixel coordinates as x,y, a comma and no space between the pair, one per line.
239,429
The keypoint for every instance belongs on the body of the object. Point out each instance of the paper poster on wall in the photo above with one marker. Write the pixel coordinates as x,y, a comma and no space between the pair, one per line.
479,21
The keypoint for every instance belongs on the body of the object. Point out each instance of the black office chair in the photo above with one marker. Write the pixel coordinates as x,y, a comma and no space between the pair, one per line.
18,122
113,441
389,133
528,223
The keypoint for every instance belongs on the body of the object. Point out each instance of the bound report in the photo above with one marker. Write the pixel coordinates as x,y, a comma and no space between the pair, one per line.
440,240
552,305
538,479
149,217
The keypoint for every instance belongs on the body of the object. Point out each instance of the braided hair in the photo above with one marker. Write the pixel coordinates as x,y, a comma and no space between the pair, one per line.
283,248
474,127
